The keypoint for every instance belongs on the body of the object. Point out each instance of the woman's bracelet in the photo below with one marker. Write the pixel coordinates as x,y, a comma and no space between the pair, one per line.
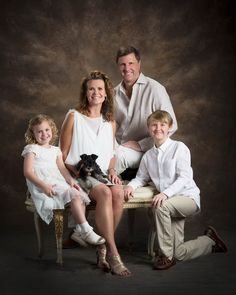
109,169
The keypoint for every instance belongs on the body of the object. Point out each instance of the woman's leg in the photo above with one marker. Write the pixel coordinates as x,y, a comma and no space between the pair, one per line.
104,215
117,203
104,218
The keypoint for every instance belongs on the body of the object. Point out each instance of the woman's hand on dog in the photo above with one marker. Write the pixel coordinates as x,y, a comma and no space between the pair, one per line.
112,176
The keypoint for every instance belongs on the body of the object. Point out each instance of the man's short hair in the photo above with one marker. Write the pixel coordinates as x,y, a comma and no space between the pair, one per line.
123,51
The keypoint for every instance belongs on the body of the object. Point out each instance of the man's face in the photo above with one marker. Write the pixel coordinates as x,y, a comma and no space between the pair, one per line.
129,68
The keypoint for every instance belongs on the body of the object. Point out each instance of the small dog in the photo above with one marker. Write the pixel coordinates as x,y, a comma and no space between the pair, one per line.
87,166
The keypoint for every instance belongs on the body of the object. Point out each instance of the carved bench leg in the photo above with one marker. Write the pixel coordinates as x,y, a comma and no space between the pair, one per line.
38,229
58,222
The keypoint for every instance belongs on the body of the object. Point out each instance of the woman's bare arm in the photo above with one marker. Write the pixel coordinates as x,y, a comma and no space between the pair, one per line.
66,139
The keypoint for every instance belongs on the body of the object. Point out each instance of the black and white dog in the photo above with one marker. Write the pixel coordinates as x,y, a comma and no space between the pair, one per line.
87,166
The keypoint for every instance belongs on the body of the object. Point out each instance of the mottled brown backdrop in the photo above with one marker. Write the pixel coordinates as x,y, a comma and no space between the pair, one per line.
47,46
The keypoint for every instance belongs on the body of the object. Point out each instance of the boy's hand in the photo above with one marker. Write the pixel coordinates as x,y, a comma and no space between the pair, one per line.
128,193
158,200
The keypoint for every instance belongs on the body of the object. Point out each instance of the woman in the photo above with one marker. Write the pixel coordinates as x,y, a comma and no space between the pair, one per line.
90,129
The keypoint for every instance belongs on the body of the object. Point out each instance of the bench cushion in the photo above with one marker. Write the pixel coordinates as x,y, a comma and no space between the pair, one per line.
142,198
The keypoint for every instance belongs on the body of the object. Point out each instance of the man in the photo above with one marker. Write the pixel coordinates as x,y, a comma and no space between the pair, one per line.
137,96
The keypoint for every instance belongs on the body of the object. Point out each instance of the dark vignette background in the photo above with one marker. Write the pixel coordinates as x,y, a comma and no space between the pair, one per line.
188,46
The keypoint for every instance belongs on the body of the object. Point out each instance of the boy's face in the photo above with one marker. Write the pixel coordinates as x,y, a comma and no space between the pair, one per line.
159,131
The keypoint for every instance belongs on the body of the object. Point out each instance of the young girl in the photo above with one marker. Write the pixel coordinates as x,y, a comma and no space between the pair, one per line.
49,182
168,166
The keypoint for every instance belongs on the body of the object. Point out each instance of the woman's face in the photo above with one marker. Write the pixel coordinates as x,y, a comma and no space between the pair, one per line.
96,92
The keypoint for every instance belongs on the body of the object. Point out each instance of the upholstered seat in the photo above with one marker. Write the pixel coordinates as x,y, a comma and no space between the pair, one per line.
142,199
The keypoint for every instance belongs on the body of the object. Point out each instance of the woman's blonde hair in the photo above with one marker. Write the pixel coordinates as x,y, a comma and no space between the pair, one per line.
161,116
108,104
37,120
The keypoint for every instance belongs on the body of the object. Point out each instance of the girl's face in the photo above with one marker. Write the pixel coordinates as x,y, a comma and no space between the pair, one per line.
96,92
159,131
43,133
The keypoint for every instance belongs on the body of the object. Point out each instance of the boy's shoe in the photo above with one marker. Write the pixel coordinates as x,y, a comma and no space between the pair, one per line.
163,263
219,243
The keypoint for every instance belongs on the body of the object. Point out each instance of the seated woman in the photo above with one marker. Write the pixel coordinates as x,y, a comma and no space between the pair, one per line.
90,129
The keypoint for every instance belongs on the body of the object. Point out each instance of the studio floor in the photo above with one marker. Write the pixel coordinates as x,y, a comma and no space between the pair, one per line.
22,272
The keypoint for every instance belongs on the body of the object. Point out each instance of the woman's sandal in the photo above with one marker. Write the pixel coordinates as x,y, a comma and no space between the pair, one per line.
117,266
101,258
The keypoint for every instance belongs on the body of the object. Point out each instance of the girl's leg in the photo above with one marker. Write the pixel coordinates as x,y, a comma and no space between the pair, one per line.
85,231
78,210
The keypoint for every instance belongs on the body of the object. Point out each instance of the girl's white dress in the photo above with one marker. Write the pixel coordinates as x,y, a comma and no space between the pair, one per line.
45,167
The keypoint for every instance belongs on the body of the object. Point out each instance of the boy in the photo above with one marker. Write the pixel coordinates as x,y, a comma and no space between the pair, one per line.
168,166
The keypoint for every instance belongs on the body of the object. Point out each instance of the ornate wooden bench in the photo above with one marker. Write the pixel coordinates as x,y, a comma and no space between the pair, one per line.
142,199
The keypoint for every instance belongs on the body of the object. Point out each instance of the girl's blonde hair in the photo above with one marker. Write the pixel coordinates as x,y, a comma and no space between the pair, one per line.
107,106
161,116
37,120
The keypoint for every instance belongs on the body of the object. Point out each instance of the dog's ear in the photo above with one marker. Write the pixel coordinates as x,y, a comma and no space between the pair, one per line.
83,157
94,157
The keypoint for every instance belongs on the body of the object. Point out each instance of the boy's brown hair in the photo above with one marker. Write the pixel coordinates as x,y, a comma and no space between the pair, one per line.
161,116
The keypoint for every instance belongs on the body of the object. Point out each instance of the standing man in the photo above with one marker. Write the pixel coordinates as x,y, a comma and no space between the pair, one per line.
137,96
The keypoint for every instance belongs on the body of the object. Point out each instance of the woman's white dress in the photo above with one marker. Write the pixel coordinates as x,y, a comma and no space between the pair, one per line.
45,167
86,141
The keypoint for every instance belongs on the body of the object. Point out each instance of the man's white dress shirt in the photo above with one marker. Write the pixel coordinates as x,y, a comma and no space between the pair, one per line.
131,114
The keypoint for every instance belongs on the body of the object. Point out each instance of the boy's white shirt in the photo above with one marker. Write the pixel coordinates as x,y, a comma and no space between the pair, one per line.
169,168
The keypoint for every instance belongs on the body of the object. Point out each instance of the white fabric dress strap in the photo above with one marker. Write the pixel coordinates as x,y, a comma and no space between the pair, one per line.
85,141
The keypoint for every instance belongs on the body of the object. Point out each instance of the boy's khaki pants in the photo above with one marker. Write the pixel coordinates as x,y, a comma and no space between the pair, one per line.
169,221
